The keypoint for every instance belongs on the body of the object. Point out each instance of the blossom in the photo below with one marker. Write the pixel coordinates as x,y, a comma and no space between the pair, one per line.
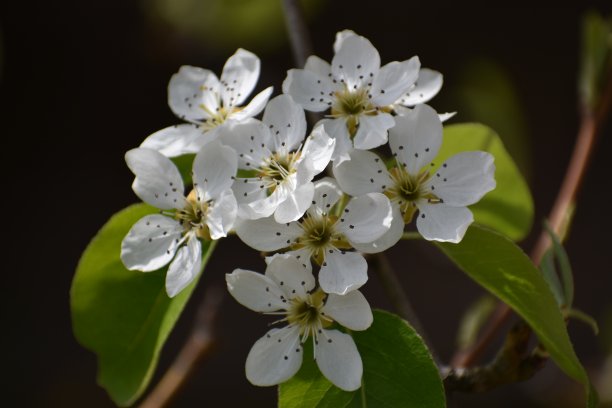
197,96
360,93
288,289
207,212
439,196
279,166
327,233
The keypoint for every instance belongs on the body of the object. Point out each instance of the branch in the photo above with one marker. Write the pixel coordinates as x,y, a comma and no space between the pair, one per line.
198,346
298,32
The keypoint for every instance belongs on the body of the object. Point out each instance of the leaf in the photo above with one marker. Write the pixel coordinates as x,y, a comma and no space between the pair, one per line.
596,60
565,269
398,372
184,165
123,316
503,269
584,318
473,320
507,209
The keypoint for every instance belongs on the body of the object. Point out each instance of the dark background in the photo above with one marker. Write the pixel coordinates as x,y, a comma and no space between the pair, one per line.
83,82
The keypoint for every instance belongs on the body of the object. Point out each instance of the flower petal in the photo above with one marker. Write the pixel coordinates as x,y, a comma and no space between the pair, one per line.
295,205
427,85
440,222
254,108
393,80
189,89
416,138
267,206
312,91
150,243
316,154
222,214
185,267
388,239
158,181
327,193
295,279
356,61
318,66
366,218
464,178
174,140
287,123
246,191
339,360
251,140
214,168
239,77
275,358
337,130
343,272
372,130
255,291
351,310
340,37
363,173
265,234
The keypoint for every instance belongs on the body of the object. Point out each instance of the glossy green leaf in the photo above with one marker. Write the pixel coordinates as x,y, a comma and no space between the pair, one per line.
503,269
123,316
507,209
398,372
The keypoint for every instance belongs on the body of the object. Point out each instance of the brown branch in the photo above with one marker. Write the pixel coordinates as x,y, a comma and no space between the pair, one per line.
198,346
591,123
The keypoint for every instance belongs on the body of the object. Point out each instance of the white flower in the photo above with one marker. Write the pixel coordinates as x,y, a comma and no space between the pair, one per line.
440,196
325,236
288,289
359,92
281,167
197,96
208,212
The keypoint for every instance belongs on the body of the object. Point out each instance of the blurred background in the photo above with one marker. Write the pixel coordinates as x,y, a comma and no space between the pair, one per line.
81,82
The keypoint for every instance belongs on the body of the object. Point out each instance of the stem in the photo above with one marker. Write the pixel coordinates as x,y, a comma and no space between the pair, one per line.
591,122
198,346
298,32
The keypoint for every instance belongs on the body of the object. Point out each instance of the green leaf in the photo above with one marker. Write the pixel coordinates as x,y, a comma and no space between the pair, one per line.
398,372
565,269
123,316
584,318
507,209
596,57
184,165
473,320
503,269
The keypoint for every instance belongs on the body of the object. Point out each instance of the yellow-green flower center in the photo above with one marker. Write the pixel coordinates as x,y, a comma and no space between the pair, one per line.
193,216
319,235
306,312
407,189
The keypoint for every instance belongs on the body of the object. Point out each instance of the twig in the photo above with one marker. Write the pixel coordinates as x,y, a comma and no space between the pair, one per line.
591,123
198,346
298,32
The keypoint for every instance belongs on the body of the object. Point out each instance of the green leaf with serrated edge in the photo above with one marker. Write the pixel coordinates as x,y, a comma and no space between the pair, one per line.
398,372
503,269
509,207
123,316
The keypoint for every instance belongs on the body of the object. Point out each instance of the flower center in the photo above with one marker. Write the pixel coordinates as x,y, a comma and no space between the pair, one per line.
407,189
306,312
350,104
319,234
193,216
277,169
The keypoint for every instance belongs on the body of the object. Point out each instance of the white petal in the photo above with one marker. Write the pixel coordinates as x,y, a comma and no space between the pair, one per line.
255,291
158,181
150,243
239,77
351,310
310,90
295,205
185,267
446,116
214,168
372,130
427,85
416,138
316,154
295,279
257,104
246,191
318,66
222,214
267,206
339,360
265,234
174,140
364,172
393,80
275,358
464,178
343,272
327,193
337,130
440,222
388,239
366,218
340,37
287,123
250,139
356,61
190,88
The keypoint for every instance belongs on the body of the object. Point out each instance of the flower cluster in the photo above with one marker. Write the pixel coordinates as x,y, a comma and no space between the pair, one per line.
265,179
